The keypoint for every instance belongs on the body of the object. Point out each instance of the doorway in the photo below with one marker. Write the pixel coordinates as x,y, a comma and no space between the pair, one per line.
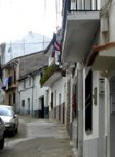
112,117
42,106
29,106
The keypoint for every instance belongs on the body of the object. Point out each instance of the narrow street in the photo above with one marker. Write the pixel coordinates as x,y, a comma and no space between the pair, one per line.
38,138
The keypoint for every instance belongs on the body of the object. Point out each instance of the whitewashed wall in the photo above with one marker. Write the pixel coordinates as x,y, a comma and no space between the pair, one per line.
38,91
112,21
58,88
95,119
33,91
25,92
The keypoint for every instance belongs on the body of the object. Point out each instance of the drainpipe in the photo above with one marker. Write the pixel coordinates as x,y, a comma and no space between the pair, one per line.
80,110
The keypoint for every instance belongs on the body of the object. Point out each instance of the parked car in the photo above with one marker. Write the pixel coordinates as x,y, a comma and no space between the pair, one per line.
2,129
9,118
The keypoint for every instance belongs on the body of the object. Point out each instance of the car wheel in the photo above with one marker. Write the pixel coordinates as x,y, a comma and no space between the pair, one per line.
2,143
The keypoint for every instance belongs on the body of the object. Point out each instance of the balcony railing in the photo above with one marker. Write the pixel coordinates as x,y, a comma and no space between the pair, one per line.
83,5
72,6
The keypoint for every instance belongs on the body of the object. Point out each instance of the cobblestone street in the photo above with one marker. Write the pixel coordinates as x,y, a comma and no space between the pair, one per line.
38,138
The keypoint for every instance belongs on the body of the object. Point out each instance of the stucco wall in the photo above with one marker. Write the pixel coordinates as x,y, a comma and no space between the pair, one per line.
95,114
38,91
33,91
58,87
112,21
95,143
24,95
58,111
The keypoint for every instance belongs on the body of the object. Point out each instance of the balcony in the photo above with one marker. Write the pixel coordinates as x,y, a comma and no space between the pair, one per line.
102,57
9,84
81,23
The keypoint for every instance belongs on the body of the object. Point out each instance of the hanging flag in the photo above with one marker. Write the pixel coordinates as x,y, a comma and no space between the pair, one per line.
57,46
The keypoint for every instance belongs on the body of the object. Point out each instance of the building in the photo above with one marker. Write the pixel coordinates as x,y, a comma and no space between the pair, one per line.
88,53
21,85
32,98
54,78
9,83
81,24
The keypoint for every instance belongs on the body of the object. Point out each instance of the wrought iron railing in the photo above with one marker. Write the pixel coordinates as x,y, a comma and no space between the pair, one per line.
83,5
78,5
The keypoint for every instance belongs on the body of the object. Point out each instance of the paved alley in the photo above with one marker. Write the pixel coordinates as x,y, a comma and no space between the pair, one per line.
38,138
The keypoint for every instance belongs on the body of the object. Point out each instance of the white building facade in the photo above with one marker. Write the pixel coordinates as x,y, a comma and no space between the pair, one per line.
32,98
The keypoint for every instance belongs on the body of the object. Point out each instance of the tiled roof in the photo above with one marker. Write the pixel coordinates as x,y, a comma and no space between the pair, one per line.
31,63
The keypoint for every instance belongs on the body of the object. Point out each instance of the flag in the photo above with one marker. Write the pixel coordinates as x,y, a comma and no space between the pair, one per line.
56,47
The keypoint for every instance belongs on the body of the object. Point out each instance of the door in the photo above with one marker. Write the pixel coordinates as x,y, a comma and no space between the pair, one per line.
112,117
29,106
112,126
42,107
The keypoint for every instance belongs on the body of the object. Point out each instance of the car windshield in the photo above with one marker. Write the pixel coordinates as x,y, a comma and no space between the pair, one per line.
6,112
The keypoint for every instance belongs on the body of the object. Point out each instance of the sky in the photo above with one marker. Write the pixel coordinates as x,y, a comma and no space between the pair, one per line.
17,17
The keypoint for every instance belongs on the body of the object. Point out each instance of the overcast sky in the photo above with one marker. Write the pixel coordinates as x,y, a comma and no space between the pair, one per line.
17,17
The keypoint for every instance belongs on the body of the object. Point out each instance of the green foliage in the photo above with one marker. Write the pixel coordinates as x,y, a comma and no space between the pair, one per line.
48,72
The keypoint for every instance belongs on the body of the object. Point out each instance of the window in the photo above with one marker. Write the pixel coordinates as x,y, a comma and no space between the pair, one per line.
23,103
88,103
